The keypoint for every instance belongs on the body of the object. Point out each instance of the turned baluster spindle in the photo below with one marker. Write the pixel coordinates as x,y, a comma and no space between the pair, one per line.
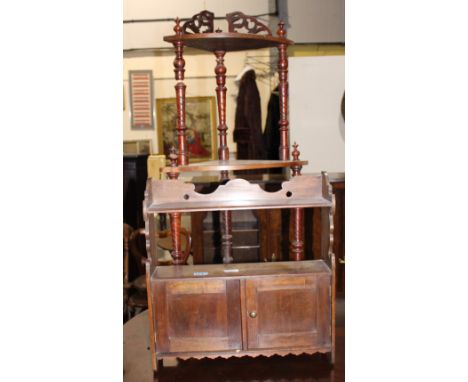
179,64
223,152
226,229
175,217
220,71
296,247
176,253
226,237
283,94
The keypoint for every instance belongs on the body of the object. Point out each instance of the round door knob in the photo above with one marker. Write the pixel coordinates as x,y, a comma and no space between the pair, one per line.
253,314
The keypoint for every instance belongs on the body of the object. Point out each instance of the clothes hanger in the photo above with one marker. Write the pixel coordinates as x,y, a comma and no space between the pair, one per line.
242,72
265,71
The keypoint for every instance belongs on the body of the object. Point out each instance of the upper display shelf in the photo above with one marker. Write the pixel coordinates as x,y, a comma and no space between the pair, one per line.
227,42
244,32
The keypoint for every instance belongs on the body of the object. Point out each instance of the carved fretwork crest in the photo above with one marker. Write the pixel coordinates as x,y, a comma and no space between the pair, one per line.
198,21
238,20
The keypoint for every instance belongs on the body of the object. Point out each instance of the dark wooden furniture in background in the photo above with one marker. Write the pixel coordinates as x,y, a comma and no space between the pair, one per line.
135,289
127,231
245,240
134,283
134,182
238,309
337,181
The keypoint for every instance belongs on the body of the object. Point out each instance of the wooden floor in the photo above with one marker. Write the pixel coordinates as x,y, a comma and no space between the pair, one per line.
304,368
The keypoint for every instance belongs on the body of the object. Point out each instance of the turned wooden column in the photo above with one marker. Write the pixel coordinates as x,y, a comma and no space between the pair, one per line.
223,153
296,234
226,237
226,229
283,95
175,217
179,64
220,71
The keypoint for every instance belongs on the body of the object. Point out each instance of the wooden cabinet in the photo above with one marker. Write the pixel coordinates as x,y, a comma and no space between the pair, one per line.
242,309
238,309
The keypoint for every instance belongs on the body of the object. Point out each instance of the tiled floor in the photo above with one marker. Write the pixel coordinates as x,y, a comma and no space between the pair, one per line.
304,368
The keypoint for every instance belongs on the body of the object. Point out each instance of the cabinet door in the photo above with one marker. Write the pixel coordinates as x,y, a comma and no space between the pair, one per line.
198,315
288,312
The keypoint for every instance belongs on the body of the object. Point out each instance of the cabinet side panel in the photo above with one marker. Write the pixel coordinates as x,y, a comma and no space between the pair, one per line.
162,340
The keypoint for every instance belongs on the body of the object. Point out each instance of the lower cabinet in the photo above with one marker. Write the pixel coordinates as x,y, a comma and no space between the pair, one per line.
216,310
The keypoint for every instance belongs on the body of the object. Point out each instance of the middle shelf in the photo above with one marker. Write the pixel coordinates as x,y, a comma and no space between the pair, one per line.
234,164
176,195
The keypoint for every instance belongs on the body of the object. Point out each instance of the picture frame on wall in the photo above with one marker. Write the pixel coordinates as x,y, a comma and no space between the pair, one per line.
201,127
140,84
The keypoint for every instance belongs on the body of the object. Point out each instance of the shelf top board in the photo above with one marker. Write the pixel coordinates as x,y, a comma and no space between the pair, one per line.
175,195
234,164
240,270
236,205
228,41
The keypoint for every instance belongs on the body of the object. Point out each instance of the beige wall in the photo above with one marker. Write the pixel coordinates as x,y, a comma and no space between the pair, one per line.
316,85
150,34
196,65
315,21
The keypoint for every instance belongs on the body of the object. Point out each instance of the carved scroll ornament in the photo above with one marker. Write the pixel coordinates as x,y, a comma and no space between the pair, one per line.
198,21
238,20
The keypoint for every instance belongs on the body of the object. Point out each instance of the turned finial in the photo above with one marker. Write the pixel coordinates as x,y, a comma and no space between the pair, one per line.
173,159
296,152
177,28
281,31
296,169
173,156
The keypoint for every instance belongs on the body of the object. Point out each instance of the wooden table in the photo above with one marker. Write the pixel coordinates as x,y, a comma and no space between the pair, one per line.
136,349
